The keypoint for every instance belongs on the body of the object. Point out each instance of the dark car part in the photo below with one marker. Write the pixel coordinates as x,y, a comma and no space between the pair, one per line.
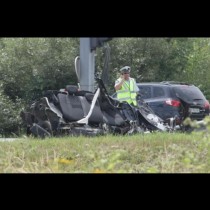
63,113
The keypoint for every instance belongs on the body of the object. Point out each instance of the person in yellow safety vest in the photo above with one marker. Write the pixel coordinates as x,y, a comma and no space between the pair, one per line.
126,87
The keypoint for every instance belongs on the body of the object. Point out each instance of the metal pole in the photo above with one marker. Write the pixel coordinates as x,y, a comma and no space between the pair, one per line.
87,65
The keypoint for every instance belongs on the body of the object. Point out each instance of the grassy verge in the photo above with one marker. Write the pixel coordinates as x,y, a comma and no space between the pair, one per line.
149,153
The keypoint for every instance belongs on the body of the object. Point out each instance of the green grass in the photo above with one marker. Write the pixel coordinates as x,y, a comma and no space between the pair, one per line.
148,153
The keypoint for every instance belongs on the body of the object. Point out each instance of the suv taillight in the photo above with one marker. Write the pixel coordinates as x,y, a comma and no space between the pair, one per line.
173,102
206,105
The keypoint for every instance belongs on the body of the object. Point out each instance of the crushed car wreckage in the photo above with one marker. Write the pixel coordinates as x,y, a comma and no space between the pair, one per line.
80,112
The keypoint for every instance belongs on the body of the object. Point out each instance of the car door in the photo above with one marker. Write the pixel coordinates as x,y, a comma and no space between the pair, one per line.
157,102
153,96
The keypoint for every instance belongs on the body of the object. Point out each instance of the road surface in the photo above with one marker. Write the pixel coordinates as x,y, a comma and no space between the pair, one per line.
8,139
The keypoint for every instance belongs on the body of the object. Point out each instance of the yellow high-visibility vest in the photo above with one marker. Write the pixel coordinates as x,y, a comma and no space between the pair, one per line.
127,93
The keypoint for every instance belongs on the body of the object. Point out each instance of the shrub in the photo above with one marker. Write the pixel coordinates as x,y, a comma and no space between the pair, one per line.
10,116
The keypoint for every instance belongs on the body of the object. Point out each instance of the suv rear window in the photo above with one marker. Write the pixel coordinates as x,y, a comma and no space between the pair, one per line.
145,91
158,92
188,93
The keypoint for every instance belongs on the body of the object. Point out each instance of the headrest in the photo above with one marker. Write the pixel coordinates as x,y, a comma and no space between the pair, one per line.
71,89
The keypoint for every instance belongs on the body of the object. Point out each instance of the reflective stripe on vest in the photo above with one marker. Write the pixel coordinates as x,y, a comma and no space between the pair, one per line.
127,93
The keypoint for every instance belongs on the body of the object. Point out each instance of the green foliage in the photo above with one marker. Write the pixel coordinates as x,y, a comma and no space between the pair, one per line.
29,66
10,123
151,59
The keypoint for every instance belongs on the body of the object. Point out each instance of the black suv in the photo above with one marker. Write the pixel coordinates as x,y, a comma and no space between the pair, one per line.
175,99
